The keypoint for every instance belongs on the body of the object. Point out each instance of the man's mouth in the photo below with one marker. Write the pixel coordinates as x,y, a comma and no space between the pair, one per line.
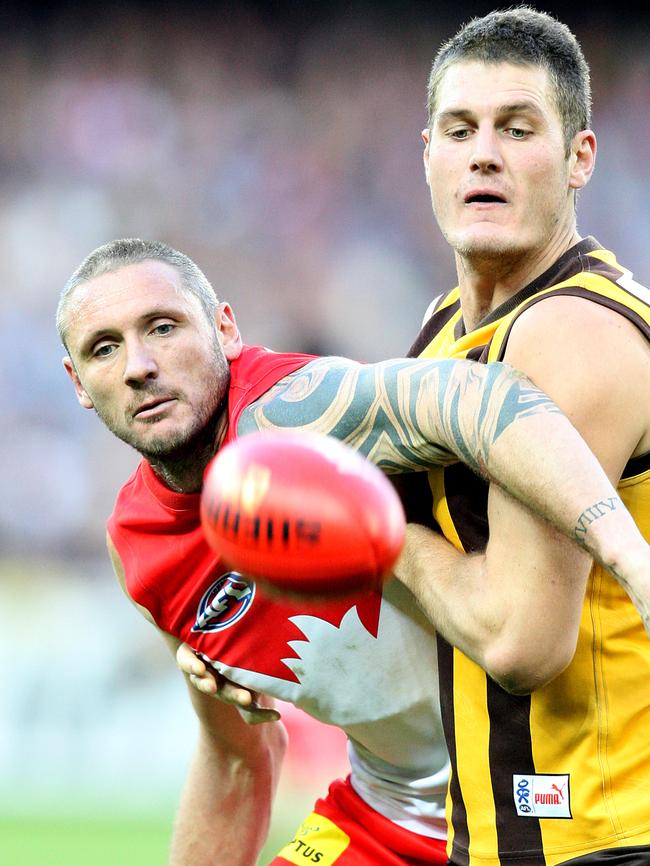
153,407
485,197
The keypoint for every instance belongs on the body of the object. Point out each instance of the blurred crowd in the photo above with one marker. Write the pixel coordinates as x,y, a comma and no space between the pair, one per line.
286,160
287,163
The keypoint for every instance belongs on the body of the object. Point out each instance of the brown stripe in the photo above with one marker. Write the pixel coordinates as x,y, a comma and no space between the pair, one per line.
511,751
414,491
579,292
510,741
477,353
636,466
431,328
460,845
630,855
467,496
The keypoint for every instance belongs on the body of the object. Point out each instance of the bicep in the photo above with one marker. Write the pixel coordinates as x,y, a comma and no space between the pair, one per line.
390,412
542,577
543,574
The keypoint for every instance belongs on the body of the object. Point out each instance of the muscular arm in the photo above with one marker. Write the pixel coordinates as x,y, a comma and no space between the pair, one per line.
516,609
407,415
225,807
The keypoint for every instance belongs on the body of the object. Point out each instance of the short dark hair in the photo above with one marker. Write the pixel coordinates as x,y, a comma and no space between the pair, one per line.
524,36
130,251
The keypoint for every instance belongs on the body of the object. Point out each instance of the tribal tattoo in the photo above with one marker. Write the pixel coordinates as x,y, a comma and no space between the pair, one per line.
405,414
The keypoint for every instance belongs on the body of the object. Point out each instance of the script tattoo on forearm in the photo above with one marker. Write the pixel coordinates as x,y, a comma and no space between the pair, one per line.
593,513
404,414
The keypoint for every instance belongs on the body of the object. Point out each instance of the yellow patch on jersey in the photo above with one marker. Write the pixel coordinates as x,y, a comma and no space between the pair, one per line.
317,840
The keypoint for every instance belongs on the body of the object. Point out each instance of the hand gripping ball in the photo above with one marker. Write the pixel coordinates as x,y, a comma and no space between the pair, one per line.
302,512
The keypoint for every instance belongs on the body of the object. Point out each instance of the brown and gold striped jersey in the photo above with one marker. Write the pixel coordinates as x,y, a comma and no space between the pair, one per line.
564,772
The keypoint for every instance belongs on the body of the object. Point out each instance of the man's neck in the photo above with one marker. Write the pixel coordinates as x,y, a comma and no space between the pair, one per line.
486,283
183,472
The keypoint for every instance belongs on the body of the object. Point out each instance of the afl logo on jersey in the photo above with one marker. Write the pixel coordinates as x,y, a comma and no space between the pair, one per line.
226,601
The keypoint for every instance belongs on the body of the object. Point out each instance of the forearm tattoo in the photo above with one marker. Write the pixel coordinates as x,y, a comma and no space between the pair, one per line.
590,515
404,414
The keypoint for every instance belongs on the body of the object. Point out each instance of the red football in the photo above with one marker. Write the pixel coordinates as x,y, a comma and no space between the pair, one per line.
302,512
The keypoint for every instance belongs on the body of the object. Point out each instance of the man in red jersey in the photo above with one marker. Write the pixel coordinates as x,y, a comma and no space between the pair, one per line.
161,361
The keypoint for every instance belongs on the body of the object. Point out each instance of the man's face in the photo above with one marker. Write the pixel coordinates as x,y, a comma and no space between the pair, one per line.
495,161
146,357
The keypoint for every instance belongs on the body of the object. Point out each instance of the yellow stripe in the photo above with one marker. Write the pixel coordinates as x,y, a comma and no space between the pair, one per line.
472,724
441,508
596,283
600,688
442,345
451,298
606,256
472,728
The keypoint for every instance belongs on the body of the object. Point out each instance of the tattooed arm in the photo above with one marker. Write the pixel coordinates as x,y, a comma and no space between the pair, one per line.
407,415
517,609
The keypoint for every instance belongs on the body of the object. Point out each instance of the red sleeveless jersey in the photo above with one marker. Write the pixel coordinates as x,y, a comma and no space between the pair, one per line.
366,663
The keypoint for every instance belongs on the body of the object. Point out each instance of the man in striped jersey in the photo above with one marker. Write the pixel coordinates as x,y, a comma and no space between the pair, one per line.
544,661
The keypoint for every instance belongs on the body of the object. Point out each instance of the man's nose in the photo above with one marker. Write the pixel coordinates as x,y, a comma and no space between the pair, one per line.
486,154
140,364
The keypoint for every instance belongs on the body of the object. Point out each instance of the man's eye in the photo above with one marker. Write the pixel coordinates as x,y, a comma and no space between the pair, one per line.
460,134
104,350
163,328
516,132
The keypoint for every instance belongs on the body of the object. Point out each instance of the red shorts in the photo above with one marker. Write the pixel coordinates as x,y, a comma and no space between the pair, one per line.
345,831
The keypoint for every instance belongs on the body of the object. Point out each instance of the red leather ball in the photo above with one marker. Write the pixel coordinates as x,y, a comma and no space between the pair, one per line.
302,512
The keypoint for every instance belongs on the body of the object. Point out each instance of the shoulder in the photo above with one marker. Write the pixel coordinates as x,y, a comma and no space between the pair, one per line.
570,325
595,364
301,380
256,363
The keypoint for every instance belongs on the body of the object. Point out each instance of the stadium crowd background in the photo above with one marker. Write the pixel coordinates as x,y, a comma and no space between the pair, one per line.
278,145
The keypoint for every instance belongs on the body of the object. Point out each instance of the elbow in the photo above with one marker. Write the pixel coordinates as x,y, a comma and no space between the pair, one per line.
257,764
278,741
271,749
270,746
521,670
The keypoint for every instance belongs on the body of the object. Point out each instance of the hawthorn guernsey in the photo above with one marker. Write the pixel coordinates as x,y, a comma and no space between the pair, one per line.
302,512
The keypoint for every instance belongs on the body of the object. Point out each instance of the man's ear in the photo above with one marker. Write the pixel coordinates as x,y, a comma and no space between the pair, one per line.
82,395
583,159
229,336
425,155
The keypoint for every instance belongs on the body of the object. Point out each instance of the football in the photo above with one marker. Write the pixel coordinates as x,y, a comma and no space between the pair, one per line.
302,512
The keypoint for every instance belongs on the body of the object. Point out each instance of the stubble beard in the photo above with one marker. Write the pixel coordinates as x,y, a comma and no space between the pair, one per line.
483,253
182,462
502,256
498,256
180,458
